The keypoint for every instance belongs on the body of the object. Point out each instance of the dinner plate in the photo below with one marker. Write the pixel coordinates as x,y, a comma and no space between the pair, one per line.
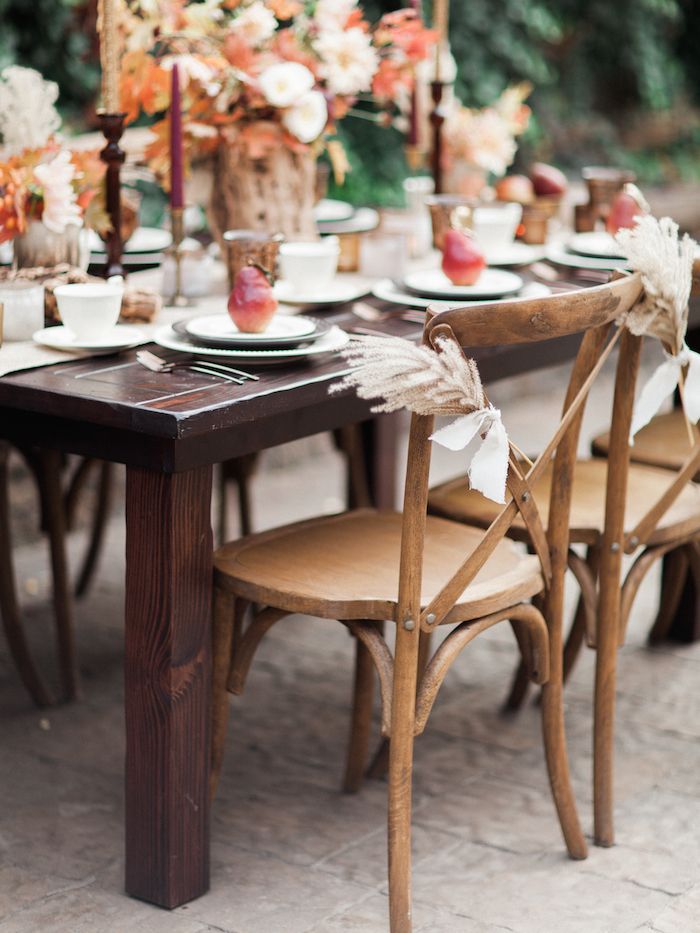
142,240
387,290
328,210
336,293
561,256
332,341
515,254
362,221
218,330
121,337
596,243
493,283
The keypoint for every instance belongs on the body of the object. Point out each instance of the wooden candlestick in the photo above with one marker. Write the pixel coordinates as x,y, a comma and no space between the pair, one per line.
112,126
437,118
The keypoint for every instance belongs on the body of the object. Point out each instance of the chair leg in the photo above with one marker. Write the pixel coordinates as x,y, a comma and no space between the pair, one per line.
604,737
227,619
11,619
403,717
50,470
99,527
361,719
673,580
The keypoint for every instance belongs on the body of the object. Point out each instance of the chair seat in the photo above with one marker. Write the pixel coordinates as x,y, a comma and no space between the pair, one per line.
347,567
645,484
662,443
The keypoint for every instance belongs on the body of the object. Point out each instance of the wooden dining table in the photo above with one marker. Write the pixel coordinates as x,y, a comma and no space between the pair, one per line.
169,429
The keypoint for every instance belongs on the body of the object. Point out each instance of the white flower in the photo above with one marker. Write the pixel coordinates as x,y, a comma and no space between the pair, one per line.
60,206
349,60
308,118
27,113
333,14
189,69
255,23
285,83
481,138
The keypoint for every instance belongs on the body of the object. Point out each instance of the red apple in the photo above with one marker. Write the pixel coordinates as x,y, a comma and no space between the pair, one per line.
547,180
627,205
462,260
516,188
252,302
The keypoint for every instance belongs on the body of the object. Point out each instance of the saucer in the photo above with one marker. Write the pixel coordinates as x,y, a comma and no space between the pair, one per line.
335,293
561,256
363,220
597,244
492,283
514,254
329,210
142,240
121,337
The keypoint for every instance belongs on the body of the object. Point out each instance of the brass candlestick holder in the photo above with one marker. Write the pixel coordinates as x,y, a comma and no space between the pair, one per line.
112,126
177,226
415,156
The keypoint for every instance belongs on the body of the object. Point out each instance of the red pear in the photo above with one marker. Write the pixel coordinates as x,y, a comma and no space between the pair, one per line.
547,180
627,205
252,302
462,260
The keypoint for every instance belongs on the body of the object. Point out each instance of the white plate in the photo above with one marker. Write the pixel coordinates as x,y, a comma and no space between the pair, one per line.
493,283
515,254
362,221
331,342
142,240
329,210
121,337
386,290
336,293
561,256
221,327
597,243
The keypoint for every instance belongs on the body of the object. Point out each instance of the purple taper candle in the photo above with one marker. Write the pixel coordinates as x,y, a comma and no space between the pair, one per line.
413,131
177,185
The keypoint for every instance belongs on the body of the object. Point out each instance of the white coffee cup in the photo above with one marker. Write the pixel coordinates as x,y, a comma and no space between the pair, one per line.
89,310
495,225
309,265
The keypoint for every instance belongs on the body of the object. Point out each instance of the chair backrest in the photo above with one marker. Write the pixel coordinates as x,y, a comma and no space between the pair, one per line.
591,312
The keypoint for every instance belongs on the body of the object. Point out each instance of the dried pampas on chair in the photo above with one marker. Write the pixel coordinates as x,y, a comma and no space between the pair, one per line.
439,381
665,263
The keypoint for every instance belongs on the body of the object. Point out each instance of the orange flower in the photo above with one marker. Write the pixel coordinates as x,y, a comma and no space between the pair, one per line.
389,78
405,30
238,52
144,85
285,9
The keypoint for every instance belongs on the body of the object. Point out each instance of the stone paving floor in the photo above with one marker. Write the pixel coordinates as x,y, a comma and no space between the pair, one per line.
291,854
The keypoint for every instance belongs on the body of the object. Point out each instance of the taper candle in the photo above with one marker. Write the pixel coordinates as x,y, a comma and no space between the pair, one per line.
109,54
177,187
413,138
441,26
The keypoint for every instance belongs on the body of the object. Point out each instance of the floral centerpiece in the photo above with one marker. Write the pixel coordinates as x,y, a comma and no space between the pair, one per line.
47,193
264,83
483,143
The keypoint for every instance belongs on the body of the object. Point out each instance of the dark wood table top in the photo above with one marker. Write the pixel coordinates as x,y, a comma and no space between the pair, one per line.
113,408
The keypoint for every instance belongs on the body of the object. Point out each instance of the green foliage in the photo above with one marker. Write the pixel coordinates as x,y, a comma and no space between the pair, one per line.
57,38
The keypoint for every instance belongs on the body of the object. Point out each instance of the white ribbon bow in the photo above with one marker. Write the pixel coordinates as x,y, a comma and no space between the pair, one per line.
663,381
482,435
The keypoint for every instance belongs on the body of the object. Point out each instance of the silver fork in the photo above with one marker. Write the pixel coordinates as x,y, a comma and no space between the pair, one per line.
368,312
157,364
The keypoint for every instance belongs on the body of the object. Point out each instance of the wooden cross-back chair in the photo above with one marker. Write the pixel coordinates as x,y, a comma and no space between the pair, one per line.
365,567
617,508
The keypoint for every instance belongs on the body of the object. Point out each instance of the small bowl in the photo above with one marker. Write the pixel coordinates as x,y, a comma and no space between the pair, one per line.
89,310
495,224
310,264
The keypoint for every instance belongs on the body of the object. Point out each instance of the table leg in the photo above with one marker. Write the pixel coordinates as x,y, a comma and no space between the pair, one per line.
381,440
167,679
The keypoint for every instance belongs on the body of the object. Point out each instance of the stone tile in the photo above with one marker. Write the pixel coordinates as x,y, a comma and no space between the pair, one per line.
365,861
251,893
532,894
681,916
20,888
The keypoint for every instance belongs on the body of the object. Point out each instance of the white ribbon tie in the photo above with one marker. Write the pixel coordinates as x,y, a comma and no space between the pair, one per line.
663,381
482,435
